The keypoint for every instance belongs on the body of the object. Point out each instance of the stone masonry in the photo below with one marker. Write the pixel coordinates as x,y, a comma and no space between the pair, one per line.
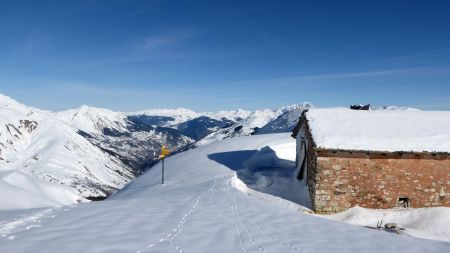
343,179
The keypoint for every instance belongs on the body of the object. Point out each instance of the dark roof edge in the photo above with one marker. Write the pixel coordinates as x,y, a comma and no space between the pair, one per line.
299,124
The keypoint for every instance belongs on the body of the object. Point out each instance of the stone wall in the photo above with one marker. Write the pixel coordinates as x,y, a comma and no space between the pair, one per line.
342,179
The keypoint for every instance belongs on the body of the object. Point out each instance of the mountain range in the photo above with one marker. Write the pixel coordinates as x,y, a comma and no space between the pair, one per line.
87,153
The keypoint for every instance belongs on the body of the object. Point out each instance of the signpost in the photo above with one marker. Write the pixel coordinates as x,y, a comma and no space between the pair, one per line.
164,152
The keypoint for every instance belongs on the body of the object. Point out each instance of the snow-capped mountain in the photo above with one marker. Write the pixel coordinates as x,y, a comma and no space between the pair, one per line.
135,140
200,127
45,161
259,122
286,121
87,153
173,117
167,117
136,137
93,120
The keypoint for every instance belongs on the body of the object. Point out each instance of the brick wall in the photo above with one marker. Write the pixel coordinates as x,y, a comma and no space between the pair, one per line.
342,179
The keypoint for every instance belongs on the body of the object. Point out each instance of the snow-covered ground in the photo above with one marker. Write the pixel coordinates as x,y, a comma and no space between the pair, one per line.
429,223
203,207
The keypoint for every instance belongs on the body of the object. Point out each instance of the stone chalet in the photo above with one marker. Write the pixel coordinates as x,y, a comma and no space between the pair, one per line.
374,159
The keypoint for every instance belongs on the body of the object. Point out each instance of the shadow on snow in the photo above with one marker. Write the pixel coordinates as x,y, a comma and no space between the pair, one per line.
263,171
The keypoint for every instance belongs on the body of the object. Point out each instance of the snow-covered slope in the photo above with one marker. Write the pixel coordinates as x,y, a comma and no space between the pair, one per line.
173,116
136,138
206,127
243,127
197,210
131,139
45,162
286,121
236,115
93,120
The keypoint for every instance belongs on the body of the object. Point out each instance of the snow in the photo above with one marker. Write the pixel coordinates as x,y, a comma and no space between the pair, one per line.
260,118
246,126
44,162
286,122
204,206
180,114
429,223
380,130
271,172
56,157
19,190
93,120
264,121
231,115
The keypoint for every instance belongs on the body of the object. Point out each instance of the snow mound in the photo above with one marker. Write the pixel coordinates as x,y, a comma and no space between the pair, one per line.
271,170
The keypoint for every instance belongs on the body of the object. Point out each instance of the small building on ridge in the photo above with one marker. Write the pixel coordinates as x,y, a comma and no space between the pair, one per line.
374,158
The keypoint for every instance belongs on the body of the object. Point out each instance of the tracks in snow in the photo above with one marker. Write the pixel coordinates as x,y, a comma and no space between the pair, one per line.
10,229
233,222
170,237
246,231
245,224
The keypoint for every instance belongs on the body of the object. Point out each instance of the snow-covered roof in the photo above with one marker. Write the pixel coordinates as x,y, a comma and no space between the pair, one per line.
380,130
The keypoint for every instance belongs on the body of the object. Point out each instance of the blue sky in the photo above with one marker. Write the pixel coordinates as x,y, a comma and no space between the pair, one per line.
211,55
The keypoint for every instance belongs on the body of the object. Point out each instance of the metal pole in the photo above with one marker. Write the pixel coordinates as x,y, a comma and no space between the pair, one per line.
162,175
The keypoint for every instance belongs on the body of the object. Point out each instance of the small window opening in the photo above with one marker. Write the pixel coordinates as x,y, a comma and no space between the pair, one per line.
403,202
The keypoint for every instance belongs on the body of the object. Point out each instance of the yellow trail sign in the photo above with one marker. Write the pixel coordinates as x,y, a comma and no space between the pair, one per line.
164,151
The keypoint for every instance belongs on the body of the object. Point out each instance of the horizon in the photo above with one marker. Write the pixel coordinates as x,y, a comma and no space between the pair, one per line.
210,56
215,111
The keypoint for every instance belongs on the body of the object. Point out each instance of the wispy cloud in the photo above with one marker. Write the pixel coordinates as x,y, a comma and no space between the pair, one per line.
166,39
73,93
352,75
437,52
96,89
33,44
305,79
